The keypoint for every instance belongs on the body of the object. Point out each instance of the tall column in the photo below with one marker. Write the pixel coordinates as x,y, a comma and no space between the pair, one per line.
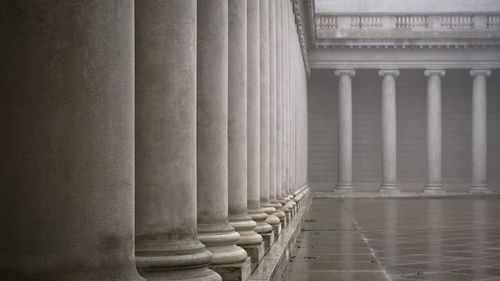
253,122
479,131
67,144
389,137
344,181
167,246
434,182
272,101
237,147
212,137
264,117
280,108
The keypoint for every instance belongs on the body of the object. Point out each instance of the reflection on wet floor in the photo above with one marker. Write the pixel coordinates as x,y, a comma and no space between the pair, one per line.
448,239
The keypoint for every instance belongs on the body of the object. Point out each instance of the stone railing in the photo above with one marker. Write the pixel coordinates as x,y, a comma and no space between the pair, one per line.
406,30
405,21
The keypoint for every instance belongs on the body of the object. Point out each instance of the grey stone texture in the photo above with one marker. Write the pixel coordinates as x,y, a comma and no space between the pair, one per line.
167,246
214,229
67,144
237,133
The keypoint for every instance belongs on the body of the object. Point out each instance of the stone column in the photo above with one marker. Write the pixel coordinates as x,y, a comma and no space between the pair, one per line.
434,184
344,181
389,136
237,146
272,101
165,140
279,109
264,117
67,144
253,123
479,131
212,139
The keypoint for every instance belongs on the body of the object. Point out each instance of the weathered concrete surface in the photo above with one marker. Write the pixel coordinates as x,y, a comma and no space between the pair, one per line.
214,229
167,246
67,145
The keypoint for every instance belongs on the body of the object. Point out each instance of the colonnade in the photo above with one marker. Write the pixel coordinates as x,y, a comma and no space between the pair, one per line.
149,140
434,183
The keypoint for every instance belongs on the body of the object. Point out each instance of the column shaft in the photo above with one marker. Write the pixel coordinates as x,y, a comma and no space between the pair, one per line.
434,181
344,181
264,100
253,118
279,100
212,134
389,136
237,130
67,144
167,245
479,131
272,100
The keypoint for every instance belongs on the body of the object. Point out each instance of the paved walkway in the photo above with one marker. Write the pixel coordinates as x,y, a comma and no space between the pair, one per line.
399,239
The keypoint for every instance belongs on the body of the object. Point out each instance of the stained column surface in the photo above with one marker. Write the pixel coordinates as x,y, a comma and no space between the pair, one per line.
389,136
264,101
434,180
272,101
344,181
167,246
253,118
67,149
279,101
212,134
237,130
479,131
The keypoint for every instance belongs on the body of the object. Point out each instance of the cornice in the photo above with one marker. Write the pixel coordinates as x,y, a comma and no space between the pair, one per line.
299,23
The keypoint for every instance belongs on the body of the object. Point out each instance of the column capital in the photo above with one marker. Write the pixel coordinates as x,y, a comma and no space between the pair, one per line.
385,72
340,72
480,71
429,72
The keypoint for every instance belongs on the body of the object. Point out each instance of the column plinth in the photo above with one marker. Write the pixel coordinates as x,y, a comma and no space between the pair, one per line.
479,131
214,229
434,180
389,136
344,181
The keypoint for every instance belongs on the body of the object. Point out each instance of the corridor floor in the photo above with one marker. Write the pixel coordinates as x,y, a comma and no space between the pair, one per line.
449,239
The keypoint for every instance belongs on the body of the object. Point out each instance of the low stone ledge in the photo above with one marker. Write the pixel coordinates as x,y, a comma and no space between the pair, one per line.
276,260
399,195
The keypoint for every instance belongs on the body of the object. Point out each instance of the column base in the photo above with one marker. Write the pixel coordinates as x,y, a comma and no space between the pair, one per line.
434,189
234,272
250,241
196,274
268,240
183,260
256,253
344,188
220,240
389,189
480,189
262,228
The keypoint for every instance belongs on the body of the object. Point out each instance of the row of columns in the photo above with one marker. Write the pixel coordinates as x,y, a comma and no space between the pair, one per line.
434,183
163,136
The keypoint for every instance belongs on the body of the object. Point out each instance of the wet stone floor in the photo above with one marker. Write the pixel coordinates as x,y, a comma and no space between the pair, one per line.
450,239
